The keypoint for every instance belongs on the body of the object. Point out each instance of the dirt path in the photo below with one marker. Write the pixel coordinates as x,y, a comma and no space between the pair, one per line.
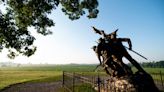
35,87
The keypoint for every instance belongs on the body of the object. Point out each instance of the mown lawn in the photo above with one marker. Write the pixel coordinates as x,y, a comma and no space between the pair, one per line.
43,73
12,77
50,73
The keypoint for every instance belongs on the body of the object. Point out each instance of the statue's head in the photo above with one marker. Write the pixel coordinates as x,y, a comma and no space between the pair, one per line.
113,35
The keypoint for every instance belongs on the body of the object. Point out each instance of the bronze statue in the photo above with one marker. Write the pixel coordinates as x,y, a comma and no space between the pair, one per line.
117,47
109,60
110,52
104,53
117,51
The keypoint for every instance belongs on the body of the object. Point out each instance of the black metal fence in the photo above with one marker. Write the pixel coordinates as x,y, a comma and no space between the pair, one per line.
95,83
72,81
158,79
99,84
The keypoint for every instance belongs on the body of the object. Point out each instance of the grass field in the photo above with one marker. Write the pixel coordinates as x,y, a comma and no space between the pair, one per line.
12,77
47,73
42,73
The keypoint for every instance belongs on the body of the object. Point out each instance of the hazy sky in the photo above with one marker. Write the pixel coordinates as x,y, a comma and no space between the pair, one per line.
140,20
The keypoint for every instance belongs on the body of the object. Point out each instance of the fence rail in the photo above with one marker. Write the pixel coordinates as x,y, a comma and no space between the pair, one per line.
72,79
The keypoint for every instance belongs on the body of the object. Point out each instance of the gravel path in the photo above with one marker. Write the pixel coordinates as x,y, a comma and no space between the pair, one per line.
35,87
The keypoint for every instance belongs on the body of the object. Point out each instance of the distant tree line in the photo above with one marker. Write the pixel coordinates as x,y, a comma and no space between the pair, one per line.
158,64
153,64
9,64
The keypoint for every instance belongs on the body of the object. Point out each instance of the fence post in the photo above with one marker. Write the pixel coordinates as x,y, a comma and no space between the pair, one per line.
161,77
73,80
98,81
106,86
63,79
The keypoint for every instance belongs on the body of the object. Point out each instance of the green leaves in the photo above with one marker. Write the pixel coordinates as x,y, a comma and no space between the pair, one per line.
33,13
13,38
21,14
76,8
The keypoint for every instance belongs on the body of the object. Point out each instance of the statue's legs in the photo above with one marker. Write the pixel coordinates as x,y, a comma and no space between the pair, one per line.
118,59
108,66
116,68
107,71
127,69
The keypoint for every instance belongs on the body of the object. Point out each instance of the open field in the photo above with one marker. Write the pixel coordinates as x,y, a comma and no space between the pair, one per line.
12,77
69,67
48,73
36,73
156,73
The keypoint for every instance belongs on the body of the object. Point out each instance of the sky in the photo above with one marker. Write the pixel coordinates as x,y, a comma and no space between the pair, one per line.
140,20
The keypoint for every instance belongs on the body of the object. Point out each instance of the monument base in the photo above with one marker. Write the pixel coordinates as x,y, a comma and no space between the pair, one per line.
138,82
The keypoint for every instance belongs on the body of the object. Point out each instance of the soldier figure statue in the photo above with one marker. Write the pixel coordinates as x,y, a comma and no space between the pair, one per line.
111,66
112,51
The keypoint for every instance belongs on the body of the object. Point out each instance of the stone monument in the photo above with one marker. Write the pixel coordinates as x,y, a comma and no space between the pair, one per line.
110,51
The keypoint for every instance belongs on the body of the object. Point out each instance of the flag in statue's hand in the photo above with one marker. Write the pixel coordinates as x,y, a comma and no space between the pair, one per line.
96,30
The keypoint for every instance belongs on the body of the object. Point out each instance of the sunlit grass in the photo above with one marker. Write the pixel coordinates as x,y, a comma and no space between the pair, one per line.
45,73
82,87
50,73
12,77
156,73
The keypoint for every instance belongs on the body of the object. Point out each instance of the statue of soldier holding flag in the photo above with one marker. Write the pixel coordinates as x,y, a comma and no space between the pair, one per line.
110,52
117,51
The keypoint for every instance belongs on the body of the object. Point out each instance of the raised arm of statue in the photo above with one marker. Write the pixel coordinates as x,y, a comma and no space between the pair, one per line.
128,41
100,32
96,30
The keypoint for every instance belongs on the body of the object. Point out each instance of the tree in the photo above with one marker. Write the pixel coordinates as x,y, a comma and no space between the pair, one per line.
21,14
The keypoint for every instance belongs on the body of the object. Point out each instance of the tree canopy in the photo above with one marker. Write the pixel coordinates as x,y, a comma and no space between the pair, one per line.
21,14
